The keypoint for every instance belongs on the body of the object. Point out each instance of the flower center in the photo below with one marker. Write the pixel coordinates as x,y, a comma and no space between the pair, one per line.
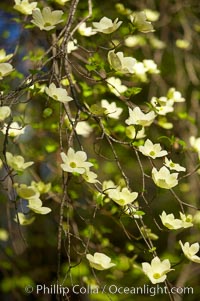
55,96
72,164
156,276
152,153
47,24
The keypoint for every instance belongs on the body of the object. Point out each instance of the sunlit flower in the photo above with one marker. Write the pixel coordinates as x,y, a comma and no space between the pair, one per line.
100,261
163,178
120,63
152,150
157,270
173,166
170,221
71,46
41,187
23,219
106,25
47,19
27,192
86,31
4,57
152,15
5,69
175,95
139,20
5,112
13,129
90,177
151,66
58,94
75,161
140,71
24,7
162,105
131,209
17,162
115,86
36,206
122,196
112,110
83,128
190,251
186,220
137,117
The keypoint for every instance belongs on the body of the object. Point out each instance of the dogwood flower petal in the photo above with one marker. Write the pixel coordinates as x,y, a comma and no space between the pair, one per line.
5,112
173,166
58,94
190,251
24,7
112,110
163,178
137,117
100,261
106,25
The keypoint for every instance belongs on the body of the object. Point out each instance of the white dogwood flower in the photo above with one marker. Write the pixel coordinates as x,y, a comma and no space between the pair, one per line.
112,111
163,178
47,19
5,112
86,31
175,95
137,117
187,220
17,162
151,66
5,69
170,221
157,270
4,57
58,94
106,25
190,251
24,7
100,261
13,129
115,86
122,196
120,63
152,150
173,166
72,46
23,219
75,161
139,20
90,177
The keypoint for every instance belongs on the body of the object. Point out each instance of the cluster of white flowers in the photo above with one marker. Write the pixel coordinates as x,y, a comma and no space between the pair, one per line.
165,104
173,223
32,195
